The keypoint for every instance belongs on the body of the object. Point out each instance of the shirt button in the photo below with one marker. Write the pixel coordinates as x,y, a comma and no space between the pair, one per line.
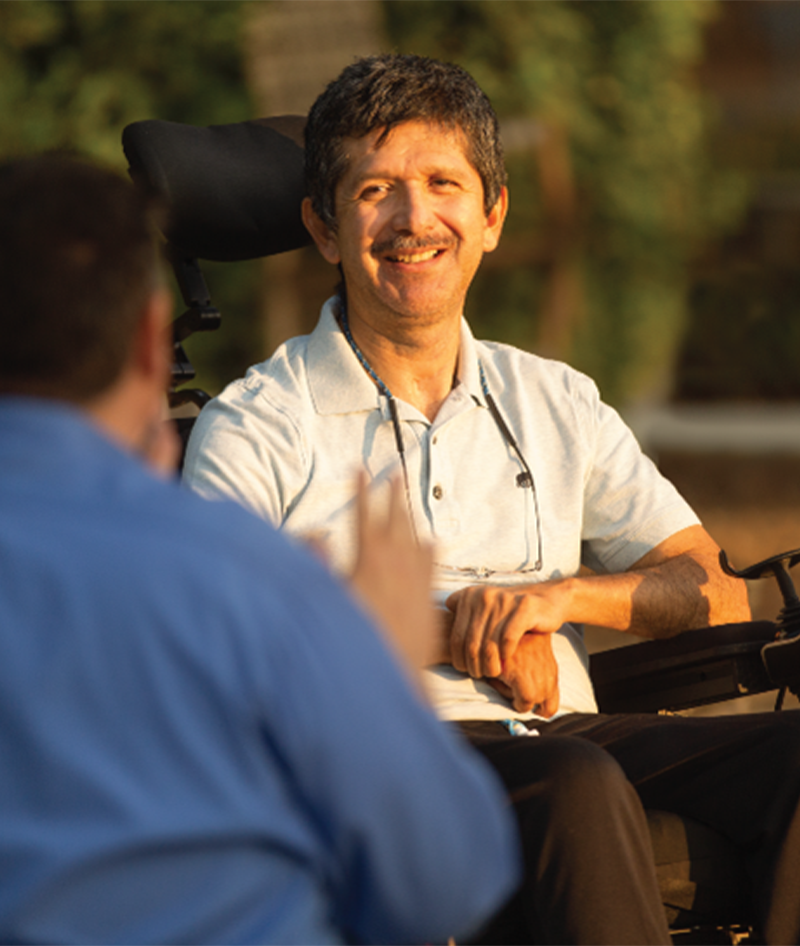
438,492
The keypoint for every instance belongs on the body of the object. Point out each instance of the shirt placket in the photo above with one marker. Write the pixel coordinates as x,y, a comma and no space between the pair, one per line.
443,507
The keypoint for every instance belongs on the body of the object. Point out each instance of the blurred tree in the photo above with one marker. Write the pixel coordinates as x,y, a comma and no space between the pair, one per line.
73,73
612,189
743,342
616,81
291,51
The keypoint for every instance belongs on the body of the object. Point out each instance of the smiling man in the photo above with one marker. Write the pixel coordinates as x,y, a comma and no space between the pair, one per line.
410,232
519,474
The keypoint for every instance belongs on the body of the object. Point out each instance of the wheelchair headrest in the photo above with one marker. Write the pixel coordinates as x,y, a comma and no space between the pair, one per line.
233,191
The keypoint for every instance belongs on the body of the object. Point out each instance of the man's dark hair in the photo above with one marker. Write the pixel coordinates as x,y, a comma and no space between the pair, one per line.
77,265
385,91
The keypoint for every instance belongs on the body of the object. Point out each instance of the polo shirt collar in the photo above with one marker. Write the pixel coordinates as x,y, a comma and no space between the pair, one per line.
469,373
338,383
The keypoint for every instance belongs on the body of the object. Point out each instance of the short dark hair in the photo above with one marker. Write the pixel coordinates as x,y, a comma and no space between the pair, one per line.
385,91
77,266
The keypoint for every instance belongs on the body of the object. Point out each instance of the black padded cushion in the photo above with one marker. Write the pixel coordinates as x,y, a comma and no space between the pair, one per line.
233,191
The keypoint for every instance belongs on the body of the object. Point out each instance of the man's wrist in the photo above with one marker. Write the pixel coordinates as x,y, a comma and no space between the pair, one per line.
595,599
555,601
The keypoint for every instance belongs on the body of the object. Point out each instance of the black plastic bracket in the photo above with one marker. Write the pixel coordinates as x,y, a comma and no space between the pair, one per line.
777,566
200,316
781,657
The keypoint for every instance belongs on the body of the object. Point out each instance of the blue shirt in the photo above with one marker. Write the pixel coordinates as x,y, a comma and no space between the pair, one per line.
202,739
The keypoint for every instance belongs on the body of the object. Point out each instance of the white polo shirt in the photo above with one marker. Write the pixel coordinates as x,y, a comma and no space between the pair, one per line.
287,439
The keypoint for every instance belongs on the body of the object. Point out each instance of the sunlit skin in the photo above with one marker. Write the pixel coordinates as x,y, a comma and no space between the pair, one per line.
411,230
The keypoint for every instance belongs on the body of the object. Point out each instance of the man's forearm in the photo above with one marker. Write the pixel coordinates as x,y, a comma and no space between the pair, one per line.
677,586
656,601
659,601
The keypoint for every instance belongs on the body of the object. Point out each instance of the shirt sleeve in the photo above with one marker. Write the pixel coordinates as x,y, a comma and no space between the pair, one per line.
245,448
629,507
422,841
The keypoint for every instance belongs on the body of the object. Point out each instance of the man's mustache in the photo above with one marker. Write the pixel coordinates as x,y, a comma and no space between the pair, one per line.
399,244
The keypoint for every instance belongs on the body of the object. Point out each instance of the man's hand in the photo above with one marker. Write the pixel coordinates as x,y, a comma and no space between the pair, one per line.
491,621
392,578
676,586
503,635
530,679
161,449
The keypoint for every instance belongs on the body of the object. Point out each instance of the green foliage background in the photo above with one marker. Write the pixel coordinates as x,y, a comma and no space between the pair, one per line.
616,76
74,73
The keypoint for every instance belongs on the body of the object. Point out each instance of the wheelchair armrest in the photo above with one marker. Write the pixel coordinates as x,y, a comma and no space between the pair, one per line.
695,668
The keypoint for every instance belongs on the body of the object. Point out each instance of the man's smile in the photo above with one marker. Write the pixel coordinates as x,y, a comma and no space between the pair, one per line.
408,251
411,227
420,257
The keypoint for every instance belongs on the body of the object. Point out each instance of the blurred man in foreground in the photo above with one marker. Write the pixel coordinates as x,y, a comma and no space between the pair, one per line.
521,474
190,747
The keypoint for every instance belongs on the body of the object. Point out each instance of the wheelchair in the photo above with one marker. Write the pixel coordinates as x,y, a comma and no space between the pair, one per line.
233,192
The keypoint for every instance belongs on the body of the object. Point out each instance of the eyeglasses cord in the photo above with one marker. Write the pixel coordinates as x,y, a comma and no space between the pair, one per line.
524,479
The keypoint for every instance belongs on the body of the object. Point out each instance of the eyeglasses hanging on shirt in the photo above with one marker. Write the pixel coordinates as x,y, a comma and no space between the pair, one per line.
523,480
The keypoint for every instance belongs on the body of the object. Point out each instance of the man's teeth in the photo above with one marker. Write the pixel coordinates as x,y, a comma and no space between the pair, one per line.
414,257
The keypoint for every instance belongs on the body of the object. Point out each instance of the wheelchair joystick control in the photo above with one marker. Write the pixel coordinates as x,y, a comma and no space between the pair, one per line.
781,657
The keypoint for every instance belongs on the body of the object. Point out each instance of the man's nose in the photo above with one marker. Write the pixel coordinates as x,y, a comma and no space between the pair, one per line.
413,210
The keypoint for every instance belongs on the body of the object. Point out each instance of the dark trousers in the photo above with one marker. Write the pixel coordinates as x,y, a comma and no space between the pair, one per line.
580,790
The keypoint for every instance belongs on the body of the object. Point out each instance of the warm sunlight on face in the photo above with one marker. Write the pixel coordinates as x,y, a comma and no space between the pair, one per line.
411,228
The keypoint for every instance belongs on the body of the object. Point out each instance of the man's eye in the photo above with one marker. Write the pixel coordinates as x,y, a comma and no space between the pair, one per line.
444,183
373,191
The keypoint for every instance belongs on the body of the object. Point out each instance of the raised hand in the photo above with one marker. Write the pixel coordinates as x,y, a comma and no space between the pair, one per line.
392,578
162,448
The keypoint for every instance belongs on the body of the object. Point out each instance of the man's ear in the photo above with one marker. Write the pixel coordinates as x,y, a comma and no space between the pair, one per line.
495,221
321,233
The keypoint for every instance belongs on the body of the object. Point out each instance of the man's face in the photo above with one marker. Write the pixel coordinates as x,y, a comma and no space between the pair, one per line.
411,228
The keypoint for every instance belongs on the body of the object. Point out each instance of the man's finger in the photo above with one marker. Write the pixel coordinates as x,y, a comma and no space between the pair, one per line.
491,663
362,505
398,520
475,630
458,633
551,704
523,704
505,638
